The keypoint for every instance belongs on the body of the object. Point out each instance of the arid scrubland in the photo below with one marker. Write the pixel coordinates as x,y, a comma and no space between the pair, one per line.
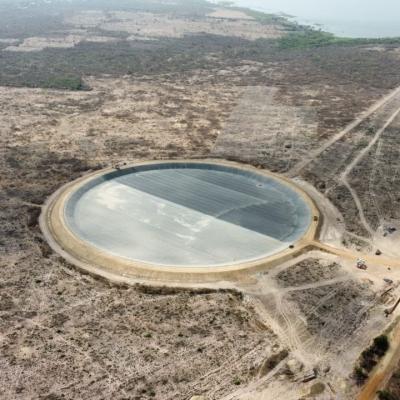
209,83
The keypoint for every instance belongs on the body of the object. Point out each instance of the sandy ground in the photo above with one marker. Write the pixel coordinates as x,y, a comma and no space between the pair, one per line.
40,43
148,25
308,303
229,14
352,170
118,115
291,131
144,26
66,334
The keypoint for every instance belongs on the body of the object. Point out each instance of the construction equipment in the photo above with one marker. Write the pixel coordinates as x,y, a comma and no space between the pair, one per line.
389,230
309,376
392,309
361,264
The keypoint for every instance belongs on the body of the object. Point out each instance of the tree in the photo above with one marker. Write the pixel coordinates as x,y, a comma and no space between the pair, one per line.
359,375
385,395
381,344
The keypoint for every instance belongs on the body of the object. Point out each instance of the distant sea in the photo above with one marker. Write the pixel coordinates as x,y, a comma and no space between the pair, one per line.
350,18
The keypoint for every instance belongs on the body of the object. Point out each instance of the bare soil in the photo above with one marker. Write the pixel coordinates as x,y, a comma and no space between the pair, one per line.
149,25
66,335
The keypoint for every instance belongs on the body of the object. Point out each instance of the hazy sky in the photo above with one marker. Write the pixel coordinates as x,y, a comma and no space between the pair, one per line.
351,17
349,9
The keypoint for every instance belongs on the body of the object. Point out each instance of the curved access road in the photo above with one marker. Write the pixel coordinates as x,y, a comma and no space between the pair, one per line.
382,373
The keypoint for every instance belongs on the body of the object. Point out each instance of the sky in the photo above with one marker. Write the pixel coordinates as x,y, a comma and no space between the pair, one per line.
348,17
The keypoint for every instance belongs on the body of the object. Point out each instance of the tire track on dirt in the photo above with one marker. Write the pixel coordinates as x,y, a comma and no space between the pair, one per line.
314,154
356,160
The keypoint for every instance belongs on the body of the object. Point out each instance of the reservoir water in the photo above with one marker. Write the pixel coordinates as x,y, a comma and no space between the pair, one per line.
350,18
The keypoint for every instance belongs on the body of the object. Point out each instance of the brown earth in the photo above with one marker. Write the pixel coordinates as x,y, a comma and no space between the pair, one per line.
66,335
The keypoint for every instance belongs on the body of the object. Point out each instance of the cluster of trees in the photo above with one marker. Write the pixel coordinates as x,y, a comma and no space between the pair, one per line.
386,395
370,357
66,68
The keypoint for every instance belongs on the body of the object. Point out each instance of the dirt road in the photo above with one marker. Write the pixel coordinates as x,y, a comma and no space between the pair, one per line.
382,373
351,255
359,157
314,154
384,370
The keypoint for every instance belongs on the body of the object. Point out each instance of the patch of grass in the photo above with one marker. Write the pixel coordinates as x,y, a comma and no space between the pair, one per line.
65,82
317,388
237,382
306,39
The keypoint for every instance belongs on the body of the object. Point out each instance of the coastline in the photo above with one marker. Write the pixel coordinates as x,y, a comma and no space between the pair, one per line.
354,27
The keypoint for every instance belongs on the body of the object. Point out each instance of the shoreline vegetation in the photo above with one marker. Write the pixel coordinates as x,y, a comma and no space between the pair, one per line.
303,36
66,68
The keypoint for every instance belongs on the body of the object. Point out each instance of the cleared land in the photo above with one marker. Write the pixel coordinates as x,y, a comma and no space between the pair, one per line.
274,103
147,25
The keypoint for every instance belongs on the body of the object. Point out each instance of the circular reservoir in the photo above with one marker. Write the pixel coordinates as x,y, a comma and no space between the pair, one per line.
186,214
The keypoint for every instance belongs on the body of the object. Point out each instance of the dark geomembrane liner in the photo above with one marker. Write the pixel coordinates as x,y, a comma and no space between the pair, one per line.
189,214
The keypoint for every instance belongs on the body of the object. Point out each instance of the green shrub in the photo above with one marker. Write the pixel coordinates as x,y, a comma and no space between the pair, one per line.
237,381
368,363
65,82
309,38
359,375
381,344
386,395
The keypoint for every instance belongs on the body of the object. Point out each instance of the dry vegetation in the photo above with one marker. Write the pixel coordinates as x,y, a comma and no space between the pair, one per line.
150,26
74,336
65,335
320,310
393,388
